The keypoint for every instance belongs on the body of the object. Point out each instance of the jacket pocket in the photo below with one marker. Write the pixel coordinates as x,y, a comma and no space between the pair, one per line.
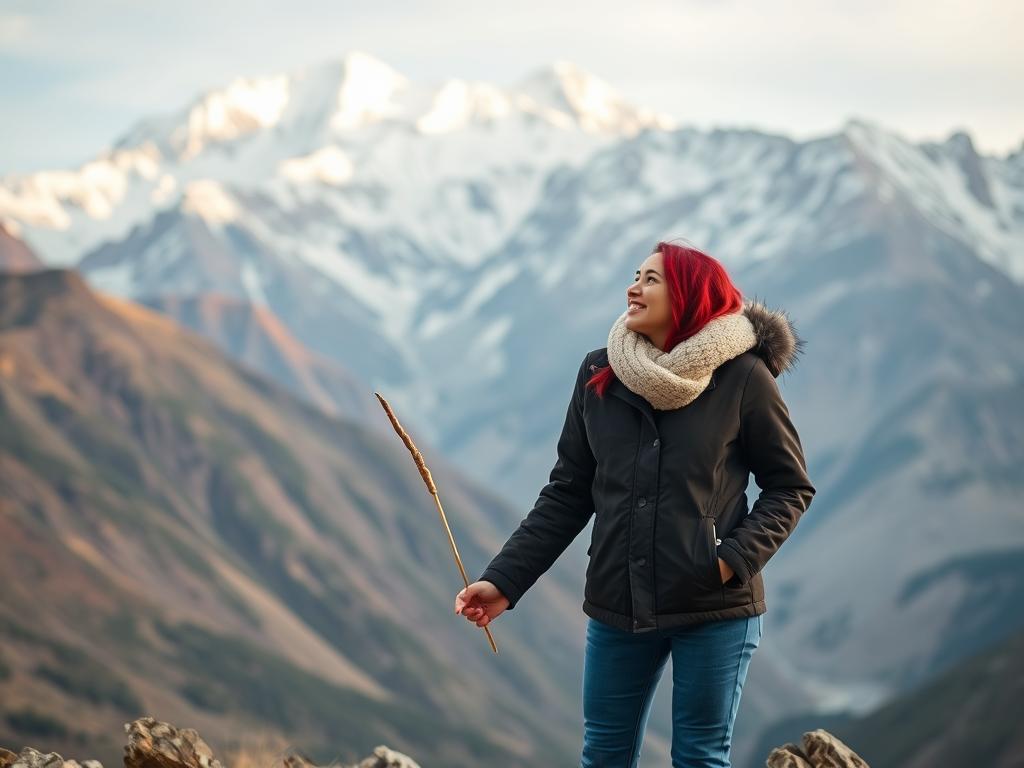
710,550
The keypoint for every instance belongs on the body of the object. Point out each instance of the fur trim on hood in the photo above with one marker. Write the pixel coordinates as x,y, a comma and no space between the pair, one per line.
777,341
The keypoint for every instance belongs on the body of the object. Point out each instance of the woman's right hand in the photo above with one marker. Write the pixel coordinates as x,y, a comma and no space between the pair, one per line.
481,602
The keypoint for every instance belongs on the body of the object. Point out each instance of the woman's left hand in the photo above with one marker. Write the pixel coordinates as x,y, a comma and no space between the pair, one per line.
725,570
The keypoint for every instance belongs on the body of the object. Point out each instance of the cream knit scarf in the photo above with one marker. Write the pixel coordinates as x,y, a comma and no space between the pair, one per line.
669,380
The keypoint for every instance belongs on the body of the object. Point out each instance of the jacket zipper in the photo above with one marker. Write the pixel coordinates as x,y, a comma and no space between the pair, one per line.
629,534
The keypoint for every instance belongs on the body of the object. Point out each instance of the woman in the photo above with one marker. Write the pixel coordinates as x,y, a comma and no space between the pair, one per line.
664,426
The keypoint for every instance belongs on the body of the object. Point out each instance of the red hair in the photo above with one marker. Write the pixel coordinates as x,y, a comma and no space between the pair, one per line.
699,290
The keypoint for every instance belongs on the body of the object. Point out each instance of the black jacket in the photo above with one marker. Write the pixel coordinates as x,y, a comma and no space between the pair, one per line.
668,489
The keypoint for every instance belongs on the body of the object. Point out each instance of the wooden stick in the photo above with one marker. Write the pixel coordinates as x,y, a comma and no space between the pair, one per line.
425,474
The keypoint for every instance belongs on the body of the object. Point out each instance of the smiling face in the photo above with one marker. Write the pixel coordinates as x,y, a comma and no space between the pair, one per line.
654,317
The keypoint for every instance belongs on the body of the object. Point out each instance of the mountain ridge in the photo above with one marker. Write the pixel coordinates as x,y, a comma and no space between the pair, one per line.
172,520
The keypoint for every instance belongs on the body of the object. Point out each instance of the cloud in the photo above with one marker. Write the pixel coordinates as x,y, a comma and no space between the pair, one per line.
14,28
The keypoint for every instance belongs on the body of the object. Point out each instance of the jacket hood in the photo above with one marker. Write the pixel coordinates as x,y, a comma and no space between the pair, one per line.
777,341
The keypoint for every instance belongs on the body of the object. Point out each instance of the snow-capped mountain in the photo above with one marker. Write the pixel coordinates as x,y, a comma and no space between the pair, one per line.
340,195
908,399
461,246
454,164
766,206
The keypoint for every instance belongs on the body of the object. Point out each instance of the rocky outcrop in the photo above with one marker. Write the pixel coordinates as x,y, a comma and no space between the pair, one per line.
154,744
31,758
382,757
820,749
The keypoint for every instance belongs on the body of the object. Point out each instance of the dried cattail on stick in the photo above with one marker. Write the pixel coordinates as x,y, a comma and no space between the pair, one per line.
425,474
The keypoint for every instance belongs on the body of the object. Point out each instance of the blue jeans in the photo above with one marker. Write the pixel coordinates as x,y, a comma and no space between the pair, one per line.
621,671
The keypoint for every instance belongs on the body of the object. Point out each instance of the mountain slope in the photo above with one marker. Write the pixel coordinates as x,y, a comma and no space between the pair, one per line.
178,534
917,340
252,335
15,255
461,246
975,701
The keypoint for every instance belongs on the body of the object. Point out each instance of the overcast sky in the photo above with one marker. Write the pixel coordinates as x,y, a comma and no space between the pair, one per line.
78,73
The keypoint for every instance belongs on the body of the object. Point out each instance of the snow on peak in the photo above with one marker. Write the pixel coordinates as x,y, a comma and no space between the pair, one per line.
595,104
458,103
310,107
246,105
210,201
366,92
329,165
96,188
961,193
346,93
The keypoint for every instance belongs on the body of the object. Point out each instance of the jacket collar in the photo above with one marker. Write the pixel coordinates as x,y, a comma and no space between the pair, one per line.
621,391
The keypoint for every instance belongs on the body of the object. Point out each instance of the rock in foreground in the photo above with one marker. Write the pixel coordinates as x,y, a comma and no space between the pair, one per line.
155,744
820,749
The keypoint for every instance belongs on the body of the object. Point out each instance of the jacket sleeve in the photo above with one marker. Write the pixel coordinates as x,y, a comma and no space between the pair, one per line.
561,511
772,448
